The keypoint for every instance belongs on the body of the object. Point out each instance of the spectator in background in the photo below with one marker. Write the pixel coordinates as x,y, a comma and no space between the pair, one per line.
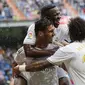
21,4
1,8
1,5
7,13
1,54
5,69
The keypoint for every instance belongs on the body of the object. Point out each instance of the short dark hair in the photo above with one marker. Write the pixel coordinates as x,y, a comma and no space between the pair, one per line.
41,25
46,8
77,29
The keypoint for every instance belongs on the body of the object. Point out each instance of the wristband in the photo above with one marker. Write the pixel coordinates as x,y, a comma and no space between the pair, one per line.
22,68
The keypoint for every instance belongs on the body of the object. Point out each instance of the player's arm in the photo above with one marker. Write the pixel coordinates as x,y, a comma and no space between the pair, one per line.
14,64
36,66
35,52
50,61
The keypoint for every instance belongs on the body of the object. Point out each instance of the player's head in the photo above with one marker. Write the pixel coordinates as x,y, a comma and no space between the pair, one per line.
44,28
52,13
77,29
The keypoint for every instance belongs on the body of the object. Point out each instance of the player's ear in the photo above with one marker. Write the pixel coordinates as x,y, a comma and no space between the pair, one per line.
41,34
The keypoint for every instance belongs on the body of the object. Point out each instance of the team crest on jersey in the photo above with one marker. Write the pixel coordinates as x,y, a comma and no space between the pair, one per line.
30,35
83,58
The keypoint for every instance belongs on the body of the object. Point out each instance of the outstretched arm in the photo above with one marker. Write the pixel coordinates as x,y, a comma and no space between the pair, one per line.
14,64
34,52
36,66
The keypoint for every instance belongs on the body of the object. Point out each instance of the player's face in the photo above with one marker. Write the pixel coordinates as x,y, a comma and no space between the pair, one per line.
49,33
54,15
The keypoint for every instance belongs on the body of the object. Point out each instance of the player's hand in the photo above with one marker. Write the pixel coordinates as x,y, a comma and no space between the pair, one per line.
16,70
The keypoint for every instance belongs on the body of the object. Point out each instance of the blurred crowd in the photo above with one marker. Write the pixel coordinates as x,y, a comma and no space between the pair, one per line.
5,11
31,8
6,59
79,5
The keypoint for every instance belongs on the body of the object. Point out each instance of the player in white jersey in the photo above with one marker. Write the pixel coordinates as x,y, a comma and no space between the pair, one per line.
52,13
73,55
61,32
50,75
30,39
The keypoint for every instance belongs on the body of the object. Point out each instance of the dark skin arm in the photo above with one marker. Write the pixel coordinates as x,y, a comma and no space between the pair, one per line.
34,52
41,53
36,66
13,65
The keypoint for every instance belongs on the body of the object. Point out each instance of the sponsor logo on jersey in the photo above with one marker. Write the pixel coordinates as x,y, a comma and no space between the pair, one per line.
30,35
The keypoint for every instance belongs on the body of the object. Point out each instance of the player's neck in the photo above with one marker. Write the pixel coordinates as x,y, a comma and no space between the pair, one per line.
41,44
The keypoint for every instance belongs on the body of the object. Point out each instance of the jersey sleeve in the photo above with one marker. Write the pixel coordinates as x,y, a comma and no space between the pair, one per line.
20,56
63,54
30,37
